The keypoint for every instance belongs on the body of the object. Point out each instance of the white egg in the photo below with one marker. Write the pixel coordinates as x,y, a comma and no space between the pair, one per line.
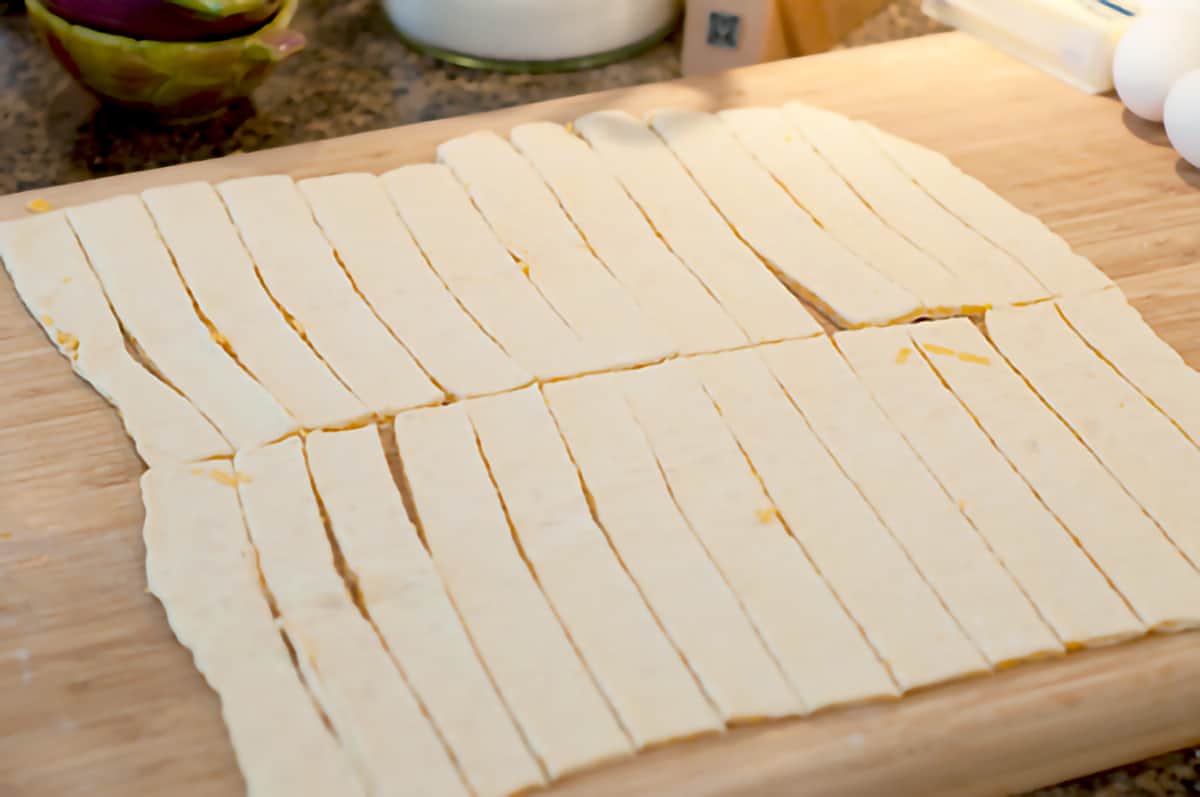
1182,117
1155,51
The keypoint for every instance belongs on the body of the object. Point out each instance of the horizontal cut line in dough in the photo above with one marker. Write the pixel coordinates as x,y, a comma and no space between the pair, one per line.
142,284
633,504
640,674
1101,518
224,283
808,260
689,224
536,670
866,568
55,281
380,723
299,269
619,236
201,565
1140,447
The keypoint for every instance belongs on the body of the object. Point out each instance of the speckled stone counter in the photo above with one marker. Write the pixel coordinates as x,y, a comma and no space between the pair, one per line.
356,76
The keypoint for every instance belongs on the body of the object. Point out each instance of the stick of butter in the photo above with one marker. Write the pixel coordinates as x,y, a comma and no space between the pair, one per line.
1072,40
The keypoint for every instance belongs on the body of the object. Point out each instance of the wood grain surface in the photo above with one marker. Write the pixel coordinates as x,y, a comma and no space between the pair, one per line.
97,698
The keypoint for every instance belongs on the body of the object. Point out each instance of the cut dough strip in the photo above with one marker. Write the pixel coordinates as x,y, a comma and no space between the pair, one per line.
684,589
529,222
954,560
57,285
863,564
643,677
220,275
464,251
810,262
990,272
147,293
299,269
1117,331
200,564
694,230
1145,452
1101,517
404,597
344,663
718,493
819,189
1044,255
621,238
386,265
1054,572
537,672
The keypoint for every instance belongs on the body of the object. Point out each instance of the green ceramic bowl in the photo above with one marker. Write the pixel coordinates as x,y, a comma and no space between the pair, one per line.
174,80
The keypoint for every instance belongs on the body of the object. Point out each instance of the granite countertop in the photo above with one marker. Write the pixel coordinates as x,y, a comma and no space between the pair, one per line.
357,76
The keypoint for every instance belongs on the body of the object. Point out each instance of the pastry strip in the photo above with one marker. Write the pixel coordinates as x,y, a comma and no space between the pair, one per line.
221,277
808,260
539,675
698,611
694,230
390,271
200,564
388,737
148,295
403,594
299,269
57,285
640,673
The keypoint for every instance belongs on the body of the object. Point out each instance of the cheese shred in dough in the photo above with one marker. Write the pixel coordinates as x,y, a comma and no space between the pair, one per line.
1054,572
976,589
1107,524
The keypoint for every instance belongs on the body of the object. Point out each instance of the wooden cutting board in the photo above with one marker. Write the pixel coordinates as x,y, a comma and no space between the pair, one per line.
97,698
